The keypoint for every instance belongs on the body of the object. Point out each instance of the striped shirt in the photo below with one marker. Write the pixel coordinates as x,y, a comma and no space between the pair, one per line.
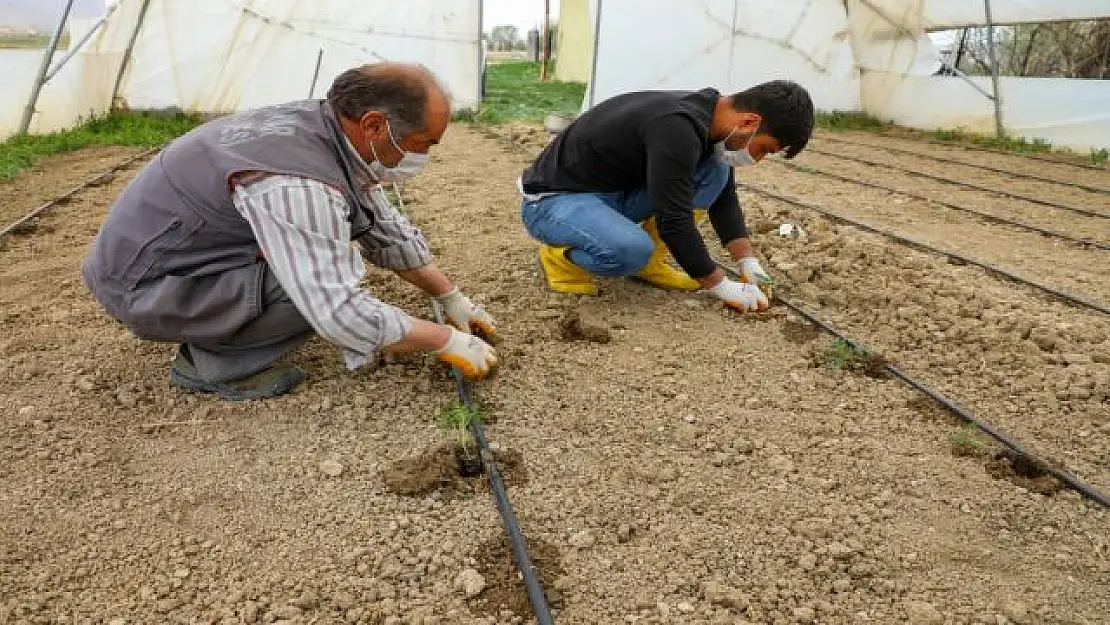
303,231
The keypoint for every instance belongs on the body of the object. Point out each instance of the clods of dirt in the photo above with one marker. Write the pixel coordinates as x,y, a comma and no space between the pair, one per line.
504,585
439,468
799,332
1024,471
572,328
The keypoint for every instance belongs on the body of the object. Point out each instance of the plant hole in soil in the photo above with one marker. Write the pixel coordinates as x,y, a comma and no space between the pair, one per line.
440,468
504,583
1029,473
799,332
572,328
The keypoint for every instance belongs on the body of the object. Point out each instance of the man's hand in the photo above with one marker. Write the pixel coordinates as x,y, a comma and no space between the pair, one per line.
473,356
751,272
466,316
741,297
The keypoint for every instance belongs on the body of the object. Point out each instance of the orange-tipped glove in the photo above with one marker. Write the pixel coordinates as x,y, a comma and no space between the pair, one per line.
741,297
751,272
466,316
473,356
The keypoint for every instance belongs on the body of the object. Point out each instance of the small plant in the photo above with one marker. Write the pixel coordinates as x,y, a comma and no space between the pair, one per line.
846,353
965,441
1099,157
456,419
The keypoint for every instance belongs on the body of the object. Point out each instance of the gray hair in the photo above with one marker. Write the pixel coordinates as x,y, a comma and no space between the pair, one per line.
397,90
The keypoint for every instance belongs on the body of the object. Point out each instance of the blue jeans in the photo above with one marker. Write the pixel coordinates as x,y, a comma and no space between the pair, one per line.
603,230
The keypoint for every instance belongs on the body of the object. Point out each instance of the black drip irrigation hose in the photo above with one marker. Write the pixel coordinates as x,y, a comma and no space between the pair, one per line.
966,185
1072,298
997,170
1067,478
1032,157
35,212
532,585
985,216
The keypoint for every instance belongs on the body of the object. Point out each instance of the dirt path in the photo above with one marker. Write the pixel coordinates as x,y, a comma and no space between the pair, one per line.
696,468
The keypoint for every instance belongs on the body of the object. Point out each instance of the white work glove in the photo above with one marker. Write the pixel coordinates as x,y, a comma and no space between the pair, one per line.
466,316
741,297
473,356
751,272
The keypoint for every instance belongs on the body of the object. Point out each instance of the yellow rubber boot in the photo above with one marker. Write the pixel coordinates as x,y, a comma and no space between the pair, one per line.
563,275
699,215
658,272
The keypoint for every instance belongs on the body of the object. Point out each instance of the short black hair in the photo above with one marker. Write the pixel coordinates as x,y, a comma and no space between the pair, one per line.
398,91
786,109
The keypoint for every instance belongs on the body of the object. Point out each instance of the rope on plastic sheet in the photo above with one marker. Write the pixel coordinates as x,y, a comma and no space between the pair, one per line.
959,411
997,170
911,242
808,169
966,185
532,586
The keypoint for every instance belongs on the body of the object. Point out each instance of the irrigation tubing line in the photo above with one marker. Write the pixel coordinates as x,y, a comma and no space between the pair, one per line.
986,216
900,238
1064,476
532,585
966,185
75,190
998,170
1032,157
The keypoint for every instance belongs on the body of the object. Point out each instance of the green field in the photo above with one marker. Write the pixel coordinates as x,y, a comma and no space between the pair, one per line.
514,93
139,129
30,42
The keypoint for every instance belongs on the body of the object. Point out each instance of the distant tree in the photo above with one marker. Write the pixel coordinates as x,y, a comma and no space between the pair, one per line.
504,37
1079,49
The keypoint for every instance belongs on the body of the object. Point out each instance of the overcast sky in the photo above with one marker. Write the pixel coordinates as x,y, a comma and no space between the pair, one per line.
44,14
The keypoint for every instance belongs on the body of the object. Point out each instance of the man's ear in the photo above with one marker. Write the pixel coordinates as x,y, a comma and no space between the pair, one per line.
373,124
750,123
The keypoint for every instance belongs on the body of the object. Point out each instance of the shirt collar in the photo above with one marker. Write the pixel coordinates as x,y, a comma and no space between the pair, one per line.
360,163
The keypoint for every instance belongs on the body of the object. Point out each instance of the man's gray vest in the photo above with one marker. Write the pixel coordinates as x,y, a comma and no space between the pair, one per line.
175,261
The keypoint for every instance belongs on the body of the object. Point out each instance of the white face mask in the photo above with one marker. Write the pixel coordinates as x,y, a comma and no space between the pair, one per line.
411,164
735,158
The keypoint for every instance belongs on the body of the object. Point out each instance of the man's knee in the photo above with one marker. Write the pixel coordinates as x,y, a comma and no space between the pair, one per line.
625,256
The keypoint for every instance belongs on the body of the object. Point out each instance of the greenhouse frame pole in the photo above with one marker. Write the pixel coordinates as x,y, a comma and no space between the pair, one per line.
992,47
597,42
75,48
40,79
127,52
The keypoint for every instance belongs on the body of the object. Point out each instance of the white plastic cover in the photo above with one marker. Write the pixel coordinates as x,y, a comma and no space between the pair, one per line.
727,44
966,13
231,55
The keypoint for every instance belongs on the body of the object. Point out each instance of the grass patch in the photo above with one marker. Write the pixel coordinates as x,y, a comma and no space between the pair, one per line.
514,93
147,129
850,120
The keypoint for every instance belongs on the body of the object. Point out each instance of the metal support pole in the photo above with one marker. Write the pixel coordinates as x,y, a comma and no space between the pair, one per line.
597,42
545,57
75,48
992,47
40,79
127,52
316,73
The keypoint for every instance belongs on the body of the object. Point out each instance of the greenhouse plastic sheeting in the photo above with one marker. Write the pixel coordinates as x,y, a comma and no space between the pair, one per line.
1063,112
967,13
727,44
230,55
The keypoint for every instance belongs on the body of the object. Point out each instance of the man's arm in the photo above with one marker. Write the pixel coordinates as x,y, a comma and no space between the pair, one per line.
302,230
727,217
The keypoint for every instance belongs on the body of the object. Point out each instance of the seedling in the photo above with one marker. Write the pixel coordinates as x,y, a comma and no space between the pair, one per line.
846,353
965,441
456,419
1099,157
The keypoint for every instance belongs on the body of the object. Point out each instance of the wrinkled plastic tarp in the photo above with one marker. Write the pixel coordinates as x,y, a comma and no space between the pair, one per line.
230,55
